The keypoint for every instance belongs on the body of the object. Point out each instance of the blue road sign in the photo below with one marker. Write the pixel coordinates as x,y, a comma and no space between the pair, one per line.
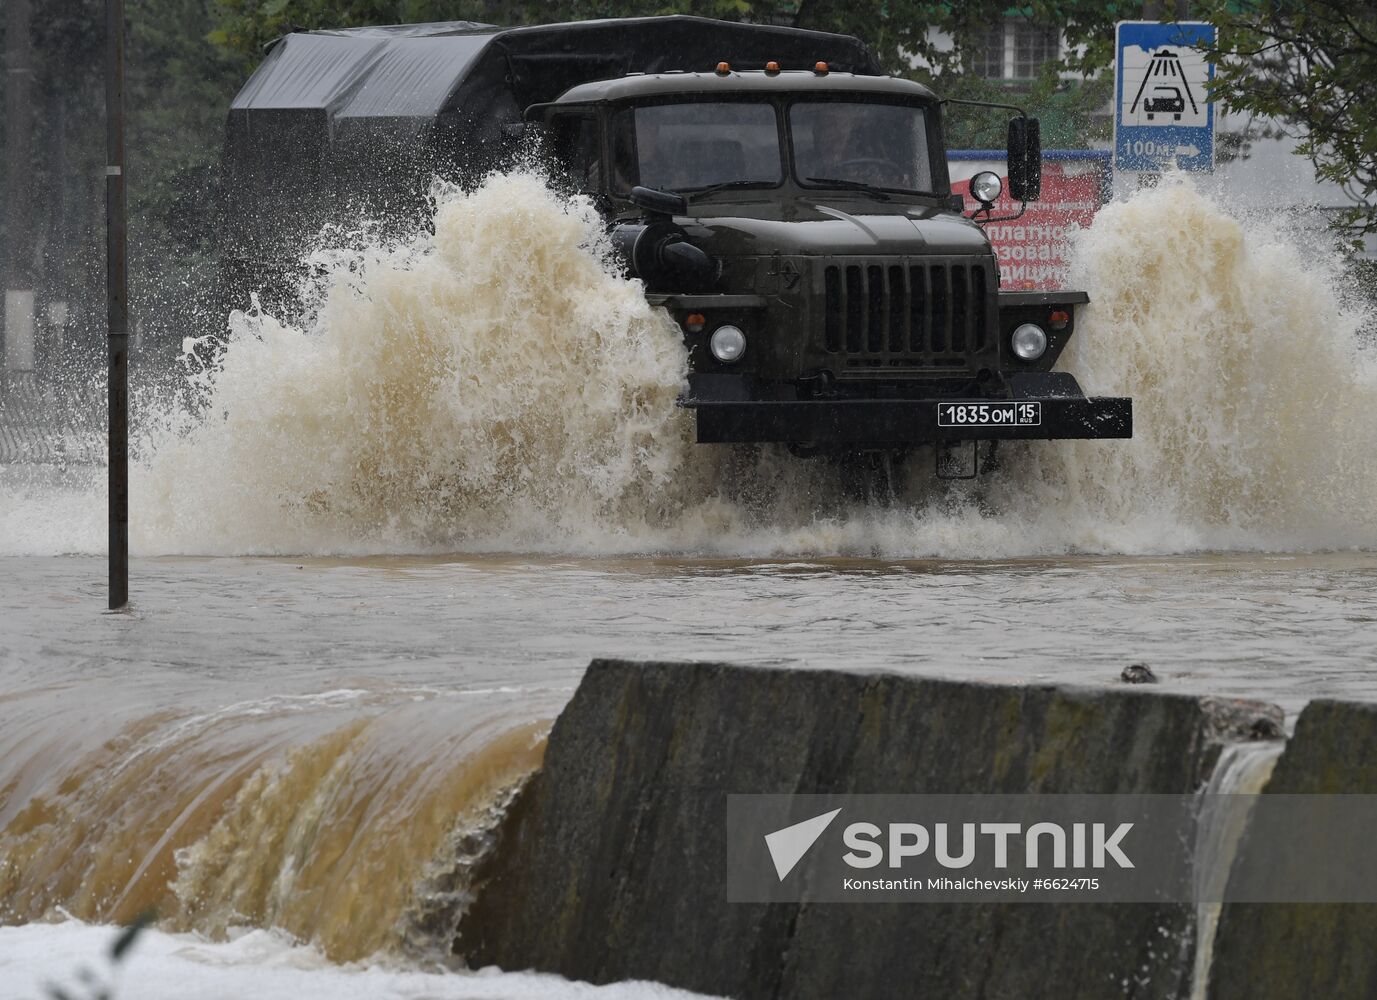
1161,79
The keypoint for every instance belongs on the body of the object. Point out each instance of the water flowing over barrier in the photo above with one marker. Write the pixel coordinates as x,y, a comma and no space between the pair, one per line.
433,829
1268,952
342,818
616,846
1242,772
496,386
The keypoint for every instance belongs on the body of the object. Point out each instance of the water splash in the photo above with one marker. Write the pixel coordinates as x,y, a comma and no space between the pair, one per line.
497,386
1253,393
494,381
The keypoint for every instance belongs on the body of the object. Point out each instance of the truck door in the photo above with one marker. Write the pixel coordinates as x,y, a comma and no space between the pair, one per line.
577,150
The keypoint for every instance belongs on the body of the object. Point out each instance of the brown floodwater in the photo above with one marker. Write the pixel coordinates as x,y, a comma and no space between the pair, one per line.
309,743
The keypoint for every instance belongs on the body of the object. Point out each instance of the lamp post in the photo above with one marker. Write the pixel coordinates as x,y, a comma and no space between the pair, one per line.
117,305
17,343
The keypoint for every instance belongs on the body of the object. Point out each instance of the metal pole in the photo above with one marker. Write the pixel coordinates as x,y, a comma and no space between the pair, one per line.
117,302
18,339
1152,11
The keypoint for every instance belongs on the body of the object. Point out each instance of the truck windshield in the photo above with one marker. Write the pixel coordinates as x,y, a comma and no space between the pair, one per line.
849,144
682,147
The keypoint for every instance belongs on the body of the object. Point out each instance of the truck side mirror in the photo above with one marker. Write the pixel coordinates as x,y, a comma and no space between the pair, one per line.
657,202
1025,159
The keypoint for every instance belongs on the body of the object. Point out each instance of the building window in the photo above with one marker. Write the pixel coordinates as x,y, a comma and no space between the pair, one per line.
1033,46
989,53
1014,50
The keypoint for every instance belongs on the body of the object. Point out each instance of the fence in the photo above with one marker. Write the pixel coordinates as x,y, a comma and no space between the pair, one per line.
59,421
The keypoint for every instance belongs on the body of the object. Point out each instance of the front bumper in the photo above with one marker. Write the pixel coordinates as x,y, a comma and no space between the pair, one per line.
1061,412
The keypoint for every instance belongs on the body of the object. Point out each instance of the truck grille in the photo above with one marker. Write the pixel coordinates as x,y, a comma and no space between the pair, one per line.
887,313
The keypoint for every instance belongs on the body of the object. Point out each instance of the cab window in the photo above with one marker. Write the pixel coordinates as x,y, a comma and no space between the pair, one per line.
574,140
843,143
695,145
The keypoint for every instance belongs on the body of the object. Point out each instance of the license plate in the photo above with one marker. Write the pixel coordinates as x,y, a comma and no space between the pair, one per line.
989,414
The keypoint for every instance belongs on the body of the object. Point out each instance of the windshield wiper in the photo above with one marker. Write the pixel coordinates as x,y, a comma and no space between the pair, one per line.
698,192
853,185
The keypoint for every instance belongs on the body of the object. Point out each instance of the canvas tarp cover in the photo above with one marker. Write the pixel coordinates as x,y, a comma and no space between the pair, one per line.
412,70
354,122
360,74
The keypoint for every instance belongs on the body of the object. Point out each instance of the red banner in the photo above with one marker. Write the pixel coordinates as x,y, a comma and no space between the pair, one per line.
1032,250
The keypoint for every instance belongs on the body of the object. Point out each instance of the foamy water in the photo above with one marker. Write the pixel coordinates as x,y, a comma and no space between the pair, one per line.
1254,397
266,965
496,387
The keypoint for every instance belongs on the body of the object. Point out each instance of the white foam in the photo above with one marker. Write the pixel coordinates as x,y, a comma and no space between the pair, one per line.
265,965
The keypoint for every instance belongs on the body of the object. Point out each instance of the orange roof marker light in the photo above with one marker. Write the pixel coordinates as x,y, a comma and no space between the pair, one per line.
820,68
723,68
772,67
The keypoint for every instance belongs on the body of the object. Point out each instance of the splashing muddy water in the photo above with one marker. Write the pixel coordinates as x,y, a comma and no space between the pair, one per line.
500,387
493,383
1253,389
497,387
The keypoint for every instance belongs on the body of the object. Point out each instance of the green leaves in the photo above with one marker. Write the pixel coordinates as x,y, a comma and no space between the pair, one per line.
1309,67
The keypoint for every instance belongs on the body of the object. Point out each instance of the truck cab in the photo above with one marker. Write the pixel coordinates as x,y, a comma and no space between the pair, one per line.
785,202
833,294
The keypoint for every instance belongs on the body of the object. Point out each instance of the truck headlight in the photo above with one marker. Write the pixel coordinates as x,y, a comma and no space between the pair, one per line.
727,344
1029,342
986,186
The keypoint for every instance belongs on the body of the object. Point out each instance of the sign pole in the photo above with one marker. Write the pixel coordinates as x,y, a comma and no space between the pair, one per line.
117,305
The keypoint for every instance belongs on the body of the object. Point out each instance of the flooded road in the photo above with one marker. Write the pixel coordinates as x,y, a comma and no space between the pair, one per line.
1282,627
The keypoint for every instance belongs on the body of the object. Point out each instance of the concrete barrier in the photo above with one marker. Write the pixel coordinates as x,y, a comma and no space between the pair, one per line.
611,862
1333,751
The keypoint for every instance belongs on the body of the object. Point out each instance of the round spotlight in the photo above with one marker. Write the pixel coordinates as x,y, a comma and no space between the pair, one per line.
1029,342
728,343
986,187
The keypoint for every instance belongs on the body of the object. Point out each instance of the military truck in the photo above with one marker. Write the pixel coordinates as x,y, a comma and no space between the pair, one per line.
787,203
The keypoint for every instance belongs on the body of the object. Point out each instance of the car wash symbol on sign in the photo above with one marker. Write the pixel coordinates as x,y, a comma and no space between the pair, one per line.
1168,83
1162,119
